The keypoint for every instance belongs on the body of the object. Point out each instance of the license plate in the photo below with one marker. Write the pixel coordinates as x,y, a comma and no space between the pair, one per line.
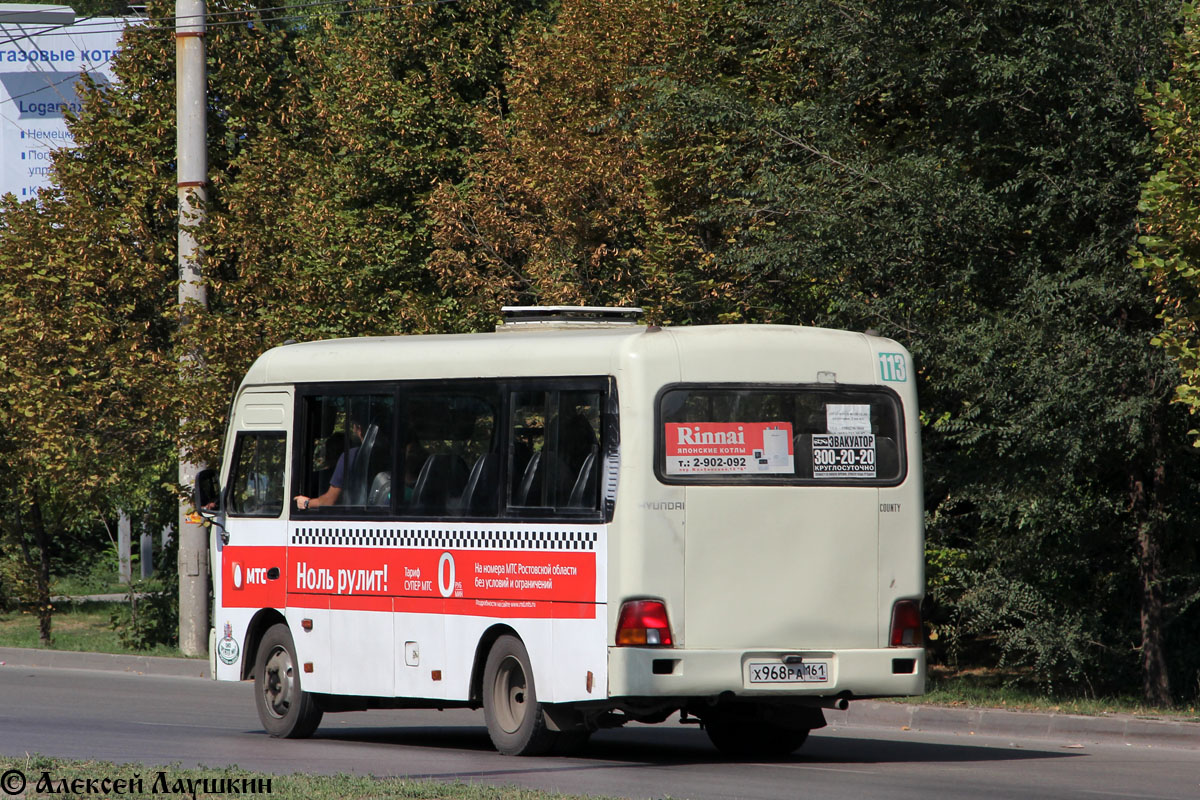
775,672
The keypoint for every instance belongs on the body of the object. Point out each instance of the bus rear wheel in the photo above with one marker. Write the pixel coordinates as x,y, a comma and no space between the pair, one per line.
284,708
516,722
739,736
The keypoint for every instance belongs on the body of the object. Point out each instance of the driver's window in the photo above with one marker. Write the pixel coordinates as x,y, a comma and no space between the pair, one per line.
257,486
347,454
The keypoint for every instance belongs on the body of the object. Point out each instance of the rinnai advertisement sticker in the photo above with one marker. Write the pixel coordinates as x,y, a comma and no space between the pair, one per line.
729,448
40,68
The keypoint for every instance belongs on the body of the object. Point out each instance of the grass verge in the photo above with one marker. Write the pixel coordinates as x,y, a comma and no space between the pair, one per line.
995,689
97,574
75,626
74,585
24,775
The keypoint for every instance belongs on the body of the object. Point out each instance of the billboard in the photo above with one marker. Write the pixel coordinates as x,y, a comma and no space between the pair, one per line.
40,67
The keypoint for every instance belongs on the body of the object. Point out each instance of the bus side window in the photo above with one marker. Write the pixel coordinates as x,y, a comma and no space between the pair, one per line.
555,457
256,488
528,431
451,459
349,448
578,449
479,496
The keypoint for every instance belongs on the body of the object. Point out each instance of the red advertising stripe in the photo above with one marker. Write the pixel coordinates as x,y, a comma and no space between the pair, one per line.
253,577
297,600
359,603
467,574
502,609
514,609
492,583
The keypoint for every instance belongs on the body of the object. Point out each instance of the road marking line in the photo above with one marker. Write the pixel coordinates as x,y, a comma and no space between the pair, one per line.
819,769
1126,794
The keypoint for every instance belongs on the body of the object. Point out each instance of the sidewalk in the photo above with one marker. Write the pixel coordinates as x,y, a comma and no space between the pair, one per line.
1064,729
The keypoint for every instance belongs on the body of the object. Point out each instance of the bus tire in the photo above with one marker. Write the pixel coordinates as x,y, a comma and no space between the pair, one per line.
284,708
515,720
746,737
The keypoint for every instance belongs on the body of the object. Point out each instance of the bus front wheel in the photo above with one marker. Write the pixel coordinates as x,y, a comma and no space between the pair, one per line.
284,708
516,722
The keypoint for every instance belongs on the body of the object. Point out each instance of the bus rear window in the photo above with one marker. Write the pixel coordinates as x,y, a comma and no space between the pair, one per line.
809,434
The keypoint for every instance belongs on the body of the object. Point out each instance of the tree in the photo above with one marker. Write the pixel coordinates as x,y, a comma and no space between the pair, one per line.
562,203
1169,246
378,108
342,123
89,320
963,179
979,168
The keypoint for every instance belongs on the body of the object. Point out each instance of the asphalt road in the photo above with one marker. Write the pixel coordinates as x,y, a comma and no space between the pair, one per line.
160,721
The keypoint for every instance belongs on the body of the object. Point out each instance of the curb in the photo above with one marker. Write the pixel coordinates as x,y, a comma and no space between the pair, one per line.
109,662
1067,728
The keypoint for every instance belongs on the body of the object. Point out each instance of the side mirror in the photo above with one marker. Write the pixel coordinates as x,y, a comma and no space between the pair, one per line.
206,494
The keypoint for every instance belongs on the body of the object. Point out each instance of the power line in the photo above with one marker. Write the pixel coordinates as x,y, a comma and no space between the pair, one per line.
24,36
249,17
38,69
240,22
17,13
253,10
71,79
134,22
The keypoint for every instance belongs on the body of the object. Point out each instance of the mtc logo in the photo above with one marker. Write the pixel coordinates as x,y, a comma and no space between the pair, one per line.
243,576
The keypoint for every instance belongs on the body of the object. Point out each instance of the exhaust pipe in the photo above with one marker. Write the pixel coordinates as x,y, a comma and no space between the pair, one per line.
839,703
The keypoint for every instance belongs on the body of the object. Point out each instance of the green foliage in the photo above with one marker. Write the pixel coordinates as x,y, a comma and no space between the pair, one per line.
343,122
370,112
561,203
150,615
963,179
1168,248
86,375
16,585
89,573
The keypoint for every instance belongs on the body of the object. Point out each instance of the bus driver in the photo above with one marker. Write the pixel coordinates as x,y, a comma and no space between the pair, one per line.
338,480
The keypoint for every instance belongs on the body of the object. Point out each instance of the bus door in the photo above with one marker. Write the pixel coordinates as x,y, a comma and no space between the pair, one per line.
340,579
250,556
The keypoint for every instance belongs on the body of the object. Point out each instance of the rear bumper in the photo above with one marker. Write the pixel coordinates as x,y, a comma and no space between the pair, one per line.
668,672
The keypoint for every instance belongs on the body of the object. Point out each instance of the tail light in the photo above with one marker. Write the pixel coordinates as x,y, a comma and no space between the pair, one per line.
906,624
644,622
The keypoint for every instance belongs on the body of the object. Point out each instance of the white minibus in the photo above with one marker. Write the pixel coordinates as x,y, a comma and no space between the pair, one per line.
573,522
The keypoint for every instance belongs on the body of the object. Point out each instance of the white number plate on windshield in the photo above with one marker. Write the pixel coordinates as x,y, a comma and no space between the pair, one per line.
775,672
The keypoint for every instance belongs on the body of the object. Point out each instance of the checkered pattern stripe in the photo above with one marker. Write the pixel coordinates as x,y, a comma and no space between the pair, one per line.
512,539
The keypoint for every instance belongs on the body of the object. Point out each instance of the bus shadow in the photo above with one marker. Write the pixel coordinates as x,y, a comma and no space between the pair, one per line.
681,747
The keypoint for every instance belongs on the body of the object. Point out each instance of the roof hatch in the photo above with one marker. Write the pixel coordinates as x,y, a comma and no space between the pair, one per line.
526,317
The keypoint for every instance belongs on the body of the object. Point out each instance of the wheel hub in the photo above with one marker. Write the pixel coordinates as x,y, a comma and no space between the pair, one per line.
277,689
510,689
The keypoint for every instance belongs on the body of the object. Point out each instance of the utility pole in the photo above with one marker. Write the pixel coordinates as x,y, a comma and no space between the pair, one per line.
191,151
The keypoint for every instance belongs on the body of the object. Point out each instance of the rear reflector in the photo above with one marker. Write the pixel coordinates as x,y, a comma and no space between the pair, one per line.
644,623
906,624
